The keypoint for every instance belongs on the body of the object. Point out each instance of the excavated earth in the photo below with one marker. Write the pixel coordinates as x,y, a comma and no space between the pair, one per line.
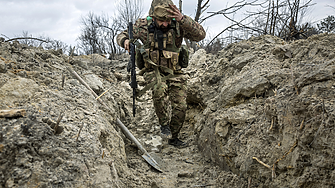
260,114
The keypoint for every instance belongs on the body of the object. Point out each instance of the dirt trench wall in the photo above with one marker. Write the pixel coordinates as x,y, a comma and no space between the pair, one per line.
32,153
261,108
270,101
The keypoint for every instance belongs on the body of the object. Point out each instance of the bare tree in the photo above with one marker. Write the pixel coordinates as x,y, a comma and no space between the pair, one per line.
327,24
181,5
331,6
243,24
280,18
56,45
111,28
90,39
295,12
100,31
130,10
201,8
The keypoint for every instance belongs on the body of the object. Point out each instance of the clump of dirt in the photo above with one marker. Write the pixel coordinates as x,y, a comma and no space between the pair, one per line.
260,114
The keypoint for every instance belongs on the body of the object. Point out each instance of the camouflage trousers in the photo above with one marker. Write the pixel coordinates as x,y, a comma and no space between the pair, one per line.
170,92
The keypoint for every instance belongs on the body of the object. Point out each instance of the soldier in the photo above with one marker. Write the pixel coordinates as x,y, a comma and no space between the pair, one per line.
162,34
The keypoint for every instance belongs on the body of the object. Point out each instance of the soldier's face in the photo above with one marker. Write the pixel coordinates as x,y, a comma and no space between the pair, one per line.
163,24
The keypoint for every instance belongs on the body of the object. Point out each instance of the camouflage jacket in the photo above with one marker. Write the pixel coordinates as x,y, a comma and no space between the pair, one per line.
189,29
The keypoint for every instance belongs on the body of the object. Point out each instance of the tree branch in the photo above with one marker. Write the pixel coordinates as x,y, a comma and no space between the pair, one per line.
21,38
220,34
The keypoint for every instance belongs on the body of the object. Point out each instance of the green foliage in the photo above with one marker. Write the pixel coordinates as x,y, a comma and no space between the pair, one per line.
327,25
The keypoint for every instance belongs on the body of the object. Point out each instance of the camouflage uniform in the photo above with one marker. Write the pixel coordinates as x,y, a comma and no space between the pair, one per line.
173,89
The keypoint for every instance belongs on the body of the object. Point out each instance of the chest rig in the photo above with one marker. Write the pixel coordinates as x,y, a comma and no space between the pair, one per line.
161,47
160,54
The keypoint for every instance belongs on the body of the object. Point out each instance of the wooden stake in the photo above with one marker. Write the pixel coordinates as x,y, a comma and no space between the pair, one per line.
1,134
272,122
249,182
103,154
302,125
12,113
273,171
81,127
63,80
58,121
114,173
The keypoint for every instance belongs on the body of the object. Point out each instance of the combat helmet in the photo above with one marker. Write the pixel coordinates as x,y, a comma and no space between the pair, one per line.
158,9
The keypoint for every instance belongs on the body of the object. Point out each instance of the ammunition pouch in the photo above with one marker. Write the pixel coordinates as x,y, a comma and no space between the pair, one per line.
139,59
183,56
164,58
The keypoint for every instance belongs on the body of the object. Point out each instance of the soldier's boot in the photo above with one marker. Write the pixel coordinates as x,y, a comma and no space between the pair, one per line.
165,131
177,143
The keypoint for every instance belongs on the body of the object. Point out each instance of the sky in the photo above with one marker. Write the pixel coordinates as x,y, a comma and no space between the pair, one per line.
61,19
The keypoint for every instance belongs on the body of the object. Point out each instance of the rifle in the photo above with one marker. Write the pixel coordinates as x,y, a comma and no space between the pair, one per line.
131,65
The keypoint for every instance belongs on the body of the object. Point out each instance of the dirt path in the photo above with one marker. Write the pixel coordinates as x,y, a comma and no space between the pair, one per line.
182,167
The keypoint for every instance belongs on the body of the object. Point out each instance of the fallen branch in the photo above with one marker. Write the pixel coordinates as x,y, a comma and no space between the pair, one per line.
31,38
266,165
103,93
204,185
288,152
12,113
273,168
